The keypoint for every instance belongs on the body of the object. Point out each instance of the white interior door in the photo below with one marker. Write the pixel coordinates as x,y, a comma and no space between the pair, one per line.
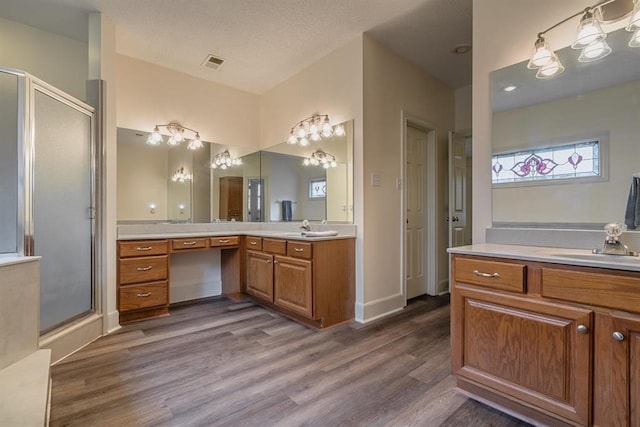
457,190
415,228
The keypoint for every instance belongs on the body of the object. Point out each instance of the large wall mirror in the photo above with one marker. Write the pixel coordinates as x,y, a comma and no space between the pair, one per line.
566,149
173,184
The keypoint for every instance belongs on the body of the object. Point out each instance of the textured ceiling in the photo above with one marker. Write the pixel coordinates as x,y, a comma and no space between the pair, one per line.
264,42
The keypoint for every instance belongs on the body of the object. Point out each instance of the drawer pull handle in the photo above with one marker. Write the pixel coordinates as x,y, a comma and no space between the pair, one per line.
224,241
582,329
298,249
493,275
253,243
146,294
143,248
618,336
191,243
144,268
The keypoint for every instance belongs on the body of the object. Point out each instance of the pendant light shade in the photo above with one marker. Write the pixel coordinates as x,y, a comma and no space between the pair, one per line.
594,51
589,31
551,69
634,22
541,54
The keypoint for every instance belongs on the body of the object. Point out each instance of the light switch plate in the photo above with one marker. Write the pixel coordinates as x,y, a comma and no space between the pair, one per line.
375,180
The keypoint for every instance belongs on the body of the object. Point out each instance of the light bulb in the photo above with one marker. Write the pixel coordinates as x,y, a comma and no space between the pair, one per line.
223,166
635,39
306,162
195,143
304,141
213,165
173,141
541,54
326,166
589,31
339,130
292,138
634,22
551,69
334,164
316,137
178,136
152,141
594,51
302,132
326,126
313,128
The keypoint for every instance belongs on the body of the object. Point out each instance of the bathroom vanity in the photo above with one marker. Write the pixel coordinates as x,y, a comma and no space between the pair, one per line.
309,279
550,335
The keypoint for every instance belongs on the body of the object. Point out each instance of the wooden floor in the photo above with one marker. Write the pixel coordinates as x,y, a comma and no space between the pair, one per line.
224,363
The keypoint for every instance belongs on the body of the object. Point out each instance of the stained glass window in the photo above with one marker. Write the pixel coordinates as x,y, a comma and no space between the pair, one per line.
566,161
317,188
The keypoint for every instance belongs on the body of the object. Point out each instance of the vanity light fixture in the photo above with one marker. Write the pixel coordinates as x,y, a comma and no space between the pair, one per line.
224,160
320,158
177,135
313,128
180,175
590,39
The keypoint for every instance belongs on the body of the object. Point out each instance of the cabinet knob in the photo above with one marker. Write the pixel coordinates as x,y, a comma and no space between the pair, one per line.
582,329
618,336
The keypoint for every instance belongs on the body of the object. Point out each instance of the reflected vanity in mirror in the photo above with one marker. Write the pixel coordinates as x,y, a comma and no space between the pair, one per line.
161,183
565,149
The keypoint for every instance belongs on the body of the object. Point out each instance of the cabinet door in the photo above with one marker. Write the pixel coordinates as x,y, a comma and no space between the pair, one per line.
292,284
260,275
616,395
528,350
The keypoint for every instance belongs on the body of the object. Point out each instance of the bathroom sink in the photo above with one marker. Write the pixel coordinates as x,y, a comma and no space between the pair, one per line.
597,257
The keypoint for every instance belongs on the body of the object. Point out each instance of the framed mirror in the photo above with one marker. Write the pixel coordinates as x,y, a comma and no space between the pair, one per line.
542,173
165,184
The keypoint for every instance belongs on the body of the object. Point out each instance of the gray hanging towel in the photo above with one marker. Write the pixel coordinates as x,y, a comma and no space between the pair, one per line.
287,214
632,214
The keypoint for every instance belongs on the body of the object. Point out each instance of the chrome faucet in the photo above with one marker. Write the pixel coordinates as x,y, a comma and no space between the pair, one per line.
612,243
305,226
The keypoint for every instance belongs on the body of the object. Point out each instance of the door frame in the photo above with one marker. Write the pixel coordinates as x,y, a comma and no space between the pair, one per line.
431,221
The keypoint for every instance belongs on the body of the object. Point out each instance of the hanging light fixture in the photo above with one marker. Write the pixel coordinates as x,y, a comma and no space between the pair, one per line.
176,136
313,128
590,38
180,175
224,160
320,158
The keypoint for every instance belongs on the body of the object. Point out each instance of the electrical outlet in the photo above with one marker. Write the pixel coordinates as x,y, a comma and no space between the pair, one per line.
375,180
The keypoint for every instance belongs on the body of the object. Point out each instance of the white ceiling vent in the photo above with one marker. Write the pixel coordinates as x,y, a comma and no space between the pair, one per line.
212,61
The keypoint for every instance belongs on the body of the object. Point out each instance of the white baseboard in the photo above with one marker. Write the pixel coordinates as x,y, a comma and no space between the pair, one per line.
113,321
71,338
188,292
443,287
382,307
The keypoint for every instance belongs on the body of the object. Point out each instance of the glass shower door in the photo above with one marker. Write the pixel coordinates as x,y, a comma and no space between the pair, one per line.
63,208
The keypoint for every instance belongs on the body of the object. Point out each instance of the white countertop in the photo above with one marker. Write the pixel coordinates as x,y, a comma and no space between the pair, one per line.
14,259
582,257
177,231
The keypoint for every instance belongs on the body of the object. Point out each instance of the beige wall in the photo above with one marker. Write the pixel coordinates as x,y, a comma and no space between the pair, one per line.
149,94
463,110
501,37
391,86
57,60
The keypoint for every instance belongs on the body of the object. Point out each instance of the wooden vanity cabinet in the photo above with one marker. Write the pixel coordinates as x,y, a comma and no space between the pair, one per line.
312,282
560,352
143,279
616,380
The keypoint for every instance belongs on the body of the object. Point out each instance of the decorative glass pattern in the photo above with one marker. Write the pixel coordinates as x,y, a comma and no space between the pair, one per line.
318,188
566,161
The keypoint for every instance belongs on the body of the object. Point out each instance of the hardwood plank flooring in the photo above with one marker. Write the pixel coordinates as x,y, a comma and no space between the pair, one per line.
223,363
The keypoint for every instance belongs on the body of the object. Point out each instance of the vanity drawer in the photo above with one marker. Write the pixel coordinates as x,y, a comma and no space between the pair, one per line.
186,244
254,243
299,249
274,246
216,242
621,292
143,296
143,269
143,248
505,276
